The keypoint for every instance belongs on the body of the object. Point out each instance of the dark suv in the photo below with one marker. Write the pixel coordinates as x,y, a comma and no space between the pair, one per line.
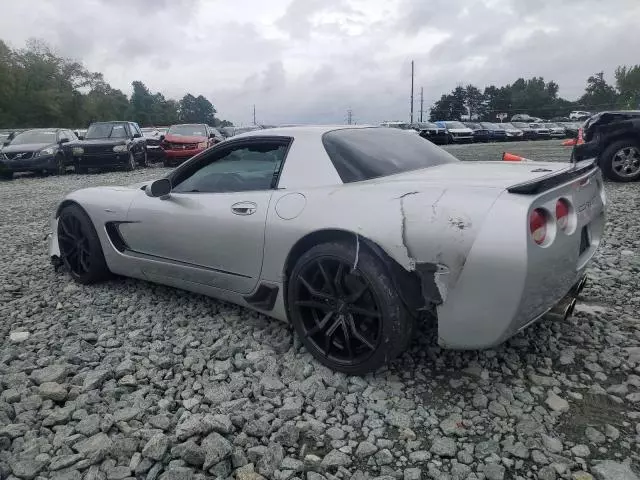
614,138
110,145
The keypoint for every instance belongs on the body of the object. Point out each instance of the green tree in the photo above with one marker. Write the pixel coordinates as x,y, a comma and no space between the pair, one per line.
628,85
196,110
598,94
474,102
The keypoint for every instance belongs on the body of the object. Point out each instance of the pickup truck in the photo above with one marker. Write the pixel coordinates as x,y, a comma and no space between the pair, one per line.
614,139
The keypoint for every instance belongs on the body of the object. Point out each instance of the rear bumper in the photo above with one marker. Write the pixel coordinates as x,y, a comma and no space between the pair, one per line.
47,162
508,282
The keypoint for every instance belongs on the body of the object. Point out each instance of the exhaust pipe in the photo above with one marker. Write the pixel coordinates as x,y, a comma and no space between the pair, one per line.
564,308
570,308
578,287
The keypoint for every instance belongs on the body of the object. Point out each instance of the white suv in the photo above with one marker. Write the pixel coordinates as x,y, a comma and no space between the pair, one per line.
577,115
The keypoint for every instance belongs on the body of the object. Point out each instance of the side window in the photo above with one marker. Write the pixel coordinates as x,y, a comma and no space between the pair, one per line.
240,168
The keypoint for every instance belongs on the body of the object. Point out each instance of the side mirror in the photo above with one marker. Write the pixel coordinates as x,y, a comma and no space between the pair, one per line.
5,144
160,188
64,140
137,135
80,137
212,135
161,138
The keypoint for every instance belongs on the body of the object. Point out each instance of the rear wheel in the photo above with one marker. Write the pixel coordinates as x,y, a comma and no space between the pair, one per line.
350,319
80,249
620,161
78,169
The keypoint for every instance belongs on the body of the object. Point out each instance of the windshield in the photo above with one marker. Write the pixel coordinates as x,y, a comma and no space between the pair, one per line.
536,125
150,132
34,136
492,126
188,130
455,125
520,125
553,125
364,153
475,126
106,130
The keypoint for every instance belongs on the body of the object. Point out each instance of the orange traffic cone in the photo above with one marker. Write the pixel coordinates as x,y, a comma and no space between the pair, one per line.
511,157
573,141
569,143
580,137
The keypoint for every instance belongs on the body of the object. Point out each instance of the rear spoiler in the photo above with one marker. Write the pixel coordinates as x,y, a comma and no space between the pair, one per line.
547,182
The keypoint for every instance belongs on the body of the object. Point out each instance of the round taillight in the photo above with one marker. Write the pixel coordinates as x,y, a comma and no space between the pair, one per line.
538,225
562,214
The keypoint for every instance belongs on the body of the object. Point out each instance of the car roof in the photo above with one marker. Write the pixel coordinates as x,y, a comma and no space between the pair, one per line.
300,130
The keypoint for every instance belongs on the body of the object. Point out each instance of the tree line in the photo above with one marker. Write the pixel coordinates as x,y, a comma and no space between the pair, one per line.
538,98
39,88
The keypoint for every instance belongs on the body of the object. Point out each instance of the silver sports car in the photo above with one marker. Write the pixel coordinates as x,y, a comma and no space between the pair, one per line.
351,234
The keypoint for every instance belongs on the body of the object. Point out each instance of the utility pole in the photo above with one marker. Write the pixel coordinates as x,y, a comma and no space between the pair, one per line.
412,91
421,102
349,117
254,114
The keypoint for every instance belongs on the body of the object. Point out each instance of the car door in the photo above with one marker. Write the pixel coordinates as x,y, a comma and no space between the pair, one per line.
210,229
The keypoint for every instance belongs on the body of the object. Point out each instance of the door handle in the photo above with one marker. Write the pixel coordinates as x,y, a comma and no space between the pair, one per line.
244,208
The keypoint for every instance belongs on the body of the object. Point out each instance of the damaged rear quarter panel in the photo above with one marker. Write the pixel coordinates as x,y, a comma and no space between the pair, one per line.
439,233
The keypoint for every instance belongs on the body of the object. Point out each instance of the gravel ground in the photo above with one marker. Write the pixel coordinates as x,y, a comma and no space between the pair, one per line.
127,379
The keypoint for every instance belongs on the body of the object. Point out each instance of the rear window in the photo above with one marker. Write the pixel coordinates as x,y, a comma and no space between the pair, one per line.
365,153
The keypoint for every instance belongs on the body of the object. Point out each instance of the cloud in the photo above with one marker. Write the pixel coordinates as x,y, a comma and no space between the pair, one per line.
311,60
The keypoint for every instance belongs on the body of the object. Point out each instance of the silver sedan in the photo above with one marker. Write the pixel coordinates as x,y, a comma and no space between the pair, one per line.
352,234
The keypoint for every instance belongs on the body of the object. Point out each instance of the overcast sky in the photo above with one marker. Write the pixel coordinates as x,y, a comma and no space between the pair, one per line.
311,60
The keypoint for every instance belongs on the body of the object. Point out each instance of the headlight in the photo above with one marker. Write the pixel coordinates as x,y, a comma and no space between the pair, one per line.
77,151
45,151
120,148
202,145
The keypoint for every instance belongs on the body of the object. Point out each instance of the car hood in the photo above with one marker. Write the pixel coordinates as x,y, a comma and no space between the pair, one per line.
27,147
184,139
497,174
100,142
460,130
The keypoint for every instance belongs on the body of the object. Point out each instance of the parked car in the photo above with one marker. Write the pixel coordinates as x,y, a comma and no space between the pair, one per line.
542,132
269,227
152,136
511,132
182,142
556,130
614,139
560,119
528,133
522,117
496,134
37,150
431,132
572,128
232,131
110,145
579,115
457,132
480,134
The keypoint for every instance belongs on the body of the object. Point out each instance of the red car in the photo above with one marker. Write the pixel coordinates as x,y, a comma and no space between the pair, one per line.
182,142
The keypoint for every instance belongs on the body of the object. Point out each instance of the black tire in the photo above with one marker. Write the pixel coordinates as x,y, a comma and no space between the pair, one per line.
359,319
80,249
80,170
61,167
6,175
620,161
131,164
145,159
166,163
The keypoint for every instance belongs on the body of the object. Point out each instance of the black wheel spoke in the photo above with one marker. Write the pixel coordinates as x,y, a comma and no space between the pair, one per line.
347,340
84,260
327,279
338,279
314,291
358,335
320,325
314,304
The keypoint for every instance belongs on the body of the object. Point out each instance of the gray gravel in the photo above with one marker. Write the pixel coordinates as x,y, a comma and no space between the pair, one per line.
128,379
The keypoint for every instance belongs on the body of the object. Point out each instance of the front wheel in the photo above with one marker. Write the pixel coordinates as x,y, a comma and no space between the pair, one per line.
61,167
620,161
80,249
131,164
145,159
350,319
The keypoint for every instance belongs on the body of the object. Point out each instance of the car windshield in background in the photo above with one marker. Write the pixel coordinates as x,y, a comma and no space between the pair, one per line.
150,132
106,130
455,125
520,125
536,125
365,153
188,130
34,136
492,126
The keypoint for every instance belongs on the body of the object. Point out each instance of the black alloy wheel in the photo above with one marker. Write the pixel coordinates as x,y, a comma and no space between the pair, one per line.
80,249
145,159
350,319
131,164
61,167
